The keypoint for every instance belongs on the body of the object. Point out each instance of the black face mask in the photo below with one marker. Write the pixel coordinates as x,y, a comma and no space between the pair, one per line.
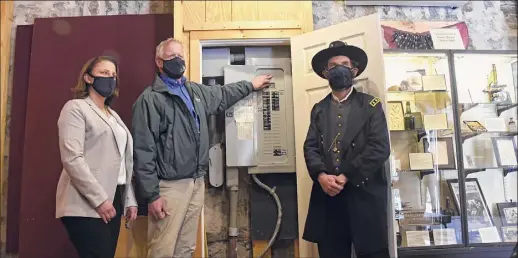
340,78
174,68
105,86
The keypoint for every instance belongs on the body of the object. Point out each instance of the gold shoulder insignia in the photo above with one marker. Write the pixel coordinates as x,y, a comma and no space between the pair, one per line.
374,101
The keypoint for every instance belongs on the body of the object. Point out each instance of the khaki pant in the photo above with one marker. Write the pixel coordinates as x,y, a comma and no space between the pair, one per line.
175,235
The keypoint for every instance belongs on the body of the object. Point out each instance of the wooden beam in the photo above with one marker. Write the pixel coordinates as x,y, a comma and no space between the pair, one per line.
194,60
296,253
258,247
6,21
243,34
186,47
307,14
244,25
132,242
178,20
200,250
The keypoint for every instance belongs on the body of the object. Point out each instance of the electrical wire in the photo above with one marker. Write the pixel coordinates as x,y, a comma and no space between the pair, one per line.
279,212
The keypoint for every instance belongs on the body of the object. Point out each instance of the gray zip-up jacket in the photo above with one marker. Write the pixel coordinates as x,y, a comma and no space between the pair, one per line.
167,142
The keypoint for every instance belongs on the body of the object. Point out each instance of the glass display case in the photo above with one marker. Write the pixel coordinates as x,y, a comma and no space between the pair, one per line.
421,124
486,86
452,121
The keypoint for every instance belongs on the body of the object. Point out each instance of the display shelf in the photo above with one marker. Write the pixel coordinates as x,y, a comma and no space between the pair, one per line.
422,173
505,170
467,171
504,107
499,107
465,135
422,132
445,133
419,91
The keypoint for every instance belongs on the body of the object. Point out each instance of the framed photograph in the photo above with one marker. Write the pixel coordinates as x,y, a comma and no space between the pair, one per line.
508,213
510,234
417,238
479,215
435,82
475,126
442,152
413,81
505,151
444,236
396,116
421,161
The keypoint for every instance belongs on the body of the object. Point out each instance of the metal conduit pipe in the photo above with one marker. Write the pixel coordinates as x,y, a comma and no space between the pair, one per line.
214,135
279,212
233,186
232,229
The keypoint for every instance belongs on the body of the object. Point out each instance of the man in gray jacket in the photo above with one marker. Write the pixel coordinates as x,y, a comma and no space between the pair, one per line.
171,146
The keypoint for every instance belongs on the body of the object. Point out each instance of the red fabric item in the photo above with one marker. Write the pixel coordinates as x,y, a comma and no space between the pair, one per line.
22,62
388,33
60,47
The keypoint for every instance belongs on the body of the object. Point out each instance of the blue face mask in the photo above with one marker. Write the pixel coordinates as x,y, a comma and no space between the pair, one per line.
340,78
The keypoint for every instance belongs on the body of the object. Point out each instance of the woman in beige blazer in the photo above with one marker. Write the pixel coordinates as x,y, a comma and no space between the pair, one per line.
95,188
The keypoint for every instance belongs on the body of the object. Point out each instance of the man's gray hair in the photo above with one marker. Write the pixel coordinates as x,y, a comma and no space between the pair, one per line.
160,48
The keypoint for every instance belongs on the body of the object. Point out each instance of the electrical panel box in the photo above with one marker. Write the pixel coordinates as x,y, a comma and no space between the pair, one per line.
214,59
259,129
241,122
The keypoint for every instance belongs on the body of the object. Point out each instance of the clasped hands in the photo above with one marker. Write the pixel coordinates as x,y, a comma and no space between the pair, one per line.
331,184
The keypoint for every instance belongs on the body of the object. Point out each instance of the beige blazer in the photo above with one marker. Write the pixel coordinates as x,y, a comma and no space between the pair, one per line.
91,160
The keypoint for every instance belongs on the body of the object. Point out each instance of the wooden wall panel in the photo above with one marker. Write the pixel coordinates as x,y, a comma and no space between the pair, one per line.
194,12
218,11
252,15
6,21
245,11
186,43
280,10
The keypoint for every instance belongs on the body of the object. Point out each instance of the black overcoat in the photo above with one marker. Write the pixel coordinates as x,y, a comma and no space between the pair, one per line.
366,148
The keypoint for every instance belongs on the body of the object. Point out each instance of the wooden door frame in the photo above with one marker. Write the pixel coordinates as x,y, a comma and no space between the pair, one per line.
6,18
191,35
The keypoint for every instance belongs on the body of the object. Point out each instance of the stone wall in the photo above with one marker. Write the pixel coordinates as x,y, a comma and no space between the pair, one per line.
492,25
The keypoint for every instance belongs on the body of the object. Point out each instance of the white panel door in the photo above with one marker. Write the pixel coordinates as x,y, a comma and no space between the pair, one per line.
309,88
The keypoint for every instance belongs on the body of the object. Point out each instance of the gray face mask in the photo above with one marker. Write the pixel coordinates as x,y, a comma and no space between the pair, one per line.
340,78
174,68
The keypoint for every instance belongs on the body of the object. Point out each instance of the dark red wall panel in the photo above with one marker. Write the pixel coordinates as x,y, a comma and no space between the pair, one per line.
60,47
22,62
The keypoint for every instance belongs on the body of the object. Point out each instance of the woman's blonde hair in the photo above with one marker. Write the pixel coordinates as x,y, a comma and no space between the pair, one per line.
80,91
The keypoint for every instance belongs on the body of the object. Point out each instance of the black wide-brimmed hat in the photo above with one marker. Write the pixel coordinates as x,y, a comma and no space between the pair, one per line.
339,48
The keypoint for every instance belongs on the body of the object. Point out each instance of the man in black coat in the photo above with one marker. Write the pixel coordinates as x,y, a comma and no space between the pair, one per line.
345,151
